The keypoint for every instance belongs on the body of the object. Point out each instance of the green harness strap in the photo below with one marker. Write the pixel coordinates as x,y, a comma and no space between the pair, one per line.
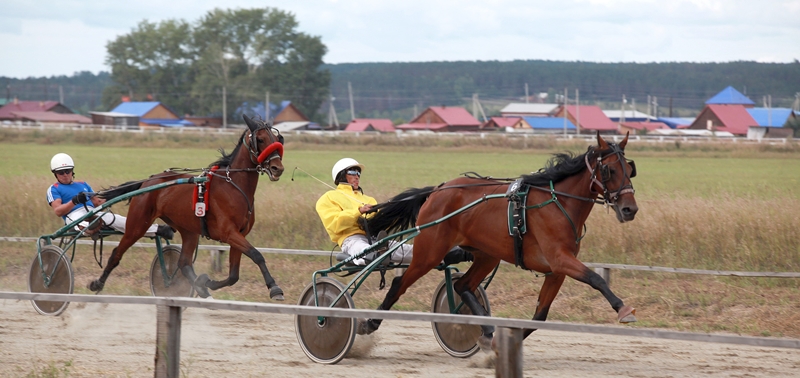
554,199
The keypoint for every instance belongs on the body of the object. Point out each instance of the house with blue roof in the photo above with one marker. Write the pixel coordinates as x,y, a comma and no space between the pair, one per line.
151,113
771,123
730,96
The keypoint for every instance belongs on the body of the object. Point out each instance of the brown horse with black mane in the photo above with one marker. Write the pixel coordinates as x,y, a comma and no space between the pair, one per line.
230,215
559,200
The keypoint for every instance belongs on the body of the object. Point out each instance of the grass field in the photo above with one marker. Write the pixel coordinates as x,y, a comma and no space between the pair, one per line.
705,207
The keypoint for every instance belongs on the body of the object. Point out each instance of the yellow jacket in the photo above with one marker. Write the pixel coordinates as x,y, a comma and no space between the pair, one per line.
338,210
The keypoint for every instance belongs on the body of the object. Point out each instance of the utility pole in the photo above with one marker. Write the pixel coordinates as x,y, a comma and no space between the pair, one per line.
8,93
476,107
622,110
565,112
526,93
332,119
649,104
45,89
655,106
769,111
416,112
796,106
266,108
61,95
577,111
352,109
224,107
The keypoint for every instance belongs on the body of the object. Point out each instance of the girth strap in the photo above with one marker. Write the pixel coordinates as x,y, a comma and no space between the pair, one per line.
517,195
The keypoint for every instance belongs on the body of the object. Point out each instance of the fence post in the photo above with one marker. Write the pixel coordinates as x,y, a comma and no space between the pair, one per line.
168,342
509,353
605,273
216,259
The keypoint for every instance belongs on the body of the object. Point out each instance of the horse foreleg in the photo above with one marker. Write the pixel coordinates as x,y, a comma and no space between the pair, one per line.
275,292
625,314
575,269
399,286
234,261
550,287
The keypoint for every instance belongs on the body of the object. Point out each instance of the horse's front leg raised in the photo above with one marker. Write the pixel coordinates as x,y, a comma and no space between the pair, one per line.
240,245
570,266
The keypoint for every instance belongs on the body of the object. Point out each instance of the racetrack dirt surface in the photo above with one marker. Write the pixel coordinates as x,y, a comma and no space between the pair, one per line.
97,340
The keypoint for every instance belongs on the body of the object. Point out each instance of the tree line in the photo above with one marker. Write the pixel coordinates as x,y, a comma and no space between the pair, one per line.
242,55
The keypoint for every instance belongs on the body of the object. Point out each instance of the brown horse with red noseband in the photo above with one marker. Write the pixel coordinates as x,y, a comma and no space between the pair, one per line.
560,199
230,215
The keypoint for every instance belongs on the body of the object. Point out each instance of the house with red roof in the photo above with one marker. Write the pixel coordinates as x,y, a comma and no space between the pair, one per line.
35,111
370,124
443,119
494,123
734,119
589,119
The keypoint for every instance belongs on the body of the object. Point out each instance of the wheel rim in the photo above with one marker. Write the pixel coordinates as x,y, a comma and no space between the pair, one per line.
62,280
178,285
458,340
330,341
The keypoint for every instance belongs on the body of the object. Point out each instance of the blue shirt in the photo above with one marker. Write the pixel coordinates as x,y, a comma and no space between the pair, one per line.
66,192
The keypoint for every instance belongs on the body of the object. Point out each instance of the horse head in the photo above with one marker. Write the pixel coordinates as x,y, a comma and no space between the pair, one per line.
611,176
265,144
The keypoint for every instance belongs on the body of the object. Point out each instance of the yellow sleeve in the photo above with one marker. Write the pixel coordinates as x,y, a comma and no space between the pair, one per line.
339,217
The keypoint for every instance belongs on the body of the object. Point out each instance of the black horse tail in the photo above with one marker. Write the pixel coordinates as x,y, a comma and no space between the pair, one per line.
399,213
121,189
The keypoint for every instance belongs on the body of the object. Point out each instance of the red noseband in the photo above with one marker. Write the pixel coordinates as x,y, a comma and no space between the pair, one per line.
269,150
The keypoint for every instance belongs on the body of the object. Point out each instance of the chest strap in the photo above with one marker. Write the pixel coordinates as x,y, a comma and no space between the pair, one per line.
200,202
517,195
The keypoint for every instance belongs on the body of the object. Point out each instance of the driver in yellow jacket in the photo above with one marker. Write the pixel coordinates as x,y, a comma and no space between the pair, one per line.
340,209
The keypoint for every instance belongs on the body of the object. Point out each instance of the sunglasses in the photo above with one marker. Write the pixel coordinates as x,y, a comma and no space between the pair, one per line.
354,173
64,172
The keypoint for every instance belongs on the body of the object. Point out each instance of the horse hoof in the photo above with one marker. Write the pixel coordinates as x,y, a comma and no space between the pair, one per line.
626,314
200,286
486,343
366,326
95,286
276,294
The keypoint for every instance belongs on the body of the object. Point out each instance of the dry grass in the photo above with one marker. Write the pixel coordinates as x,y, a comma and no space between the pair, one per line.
738,211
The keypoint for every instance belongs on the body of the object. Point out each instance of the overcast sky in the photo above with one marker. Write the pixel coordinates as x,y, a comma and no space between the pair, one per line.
61,37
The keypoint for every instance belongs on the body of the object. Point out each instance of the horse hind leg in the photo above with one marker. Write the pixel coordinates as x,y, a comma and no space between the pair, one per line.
550,287
113,261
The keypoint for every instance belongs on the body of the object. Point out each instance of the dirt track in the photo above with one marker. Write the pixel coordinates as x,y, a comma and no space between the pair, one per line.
119,341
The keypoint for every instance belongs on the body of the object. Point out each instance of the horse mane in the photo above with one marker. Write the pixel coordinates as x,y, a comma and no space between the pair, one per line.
559,167
226,160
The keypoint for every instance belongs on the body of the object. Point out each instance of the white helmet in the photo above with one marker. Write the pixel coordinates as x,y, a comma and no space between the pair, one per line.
343,164
61,161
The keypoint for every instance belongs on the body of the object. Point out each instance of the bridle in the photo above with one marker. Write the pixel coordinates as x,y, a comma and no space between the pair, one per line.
273,151
604,172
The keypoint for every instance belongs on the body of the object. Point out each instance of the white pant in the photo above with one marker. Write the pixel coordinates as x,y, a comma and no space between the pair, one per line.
114,221
355,244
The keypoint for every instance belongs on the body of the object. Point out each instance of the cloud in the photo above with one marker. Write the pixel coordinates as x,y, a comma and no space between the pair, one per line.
425,30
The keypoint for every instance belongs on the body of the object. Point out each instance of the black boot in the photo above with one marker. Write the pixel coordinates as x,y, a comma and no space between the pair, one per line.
457,255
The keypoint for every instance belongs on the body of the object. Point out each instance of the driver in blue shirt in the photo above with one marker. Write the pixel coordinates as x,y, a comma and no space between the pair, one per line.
72,199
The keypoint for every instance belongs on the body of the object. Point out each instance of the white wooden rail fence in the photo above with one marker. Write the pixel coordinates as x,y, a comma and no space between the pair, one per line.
601,268
509,331
525,136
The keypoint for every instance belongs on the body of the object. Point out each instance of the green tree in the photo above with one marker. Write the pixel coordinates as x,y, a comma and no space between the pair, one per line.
151,63
253,51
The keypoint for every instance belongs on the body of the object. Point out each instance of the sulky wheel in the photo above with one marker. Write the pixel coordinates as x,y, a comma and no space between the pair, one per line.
56,266
458,340
325,340
176,285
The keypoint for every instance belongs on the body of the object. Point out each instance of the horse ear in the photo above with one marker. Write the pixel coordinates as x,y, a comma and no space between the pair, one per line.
601,142
624,141
252,125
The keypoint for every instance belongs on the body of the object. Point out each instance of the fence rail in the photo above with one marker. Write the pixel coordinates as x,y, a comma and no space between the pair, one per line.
602,268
